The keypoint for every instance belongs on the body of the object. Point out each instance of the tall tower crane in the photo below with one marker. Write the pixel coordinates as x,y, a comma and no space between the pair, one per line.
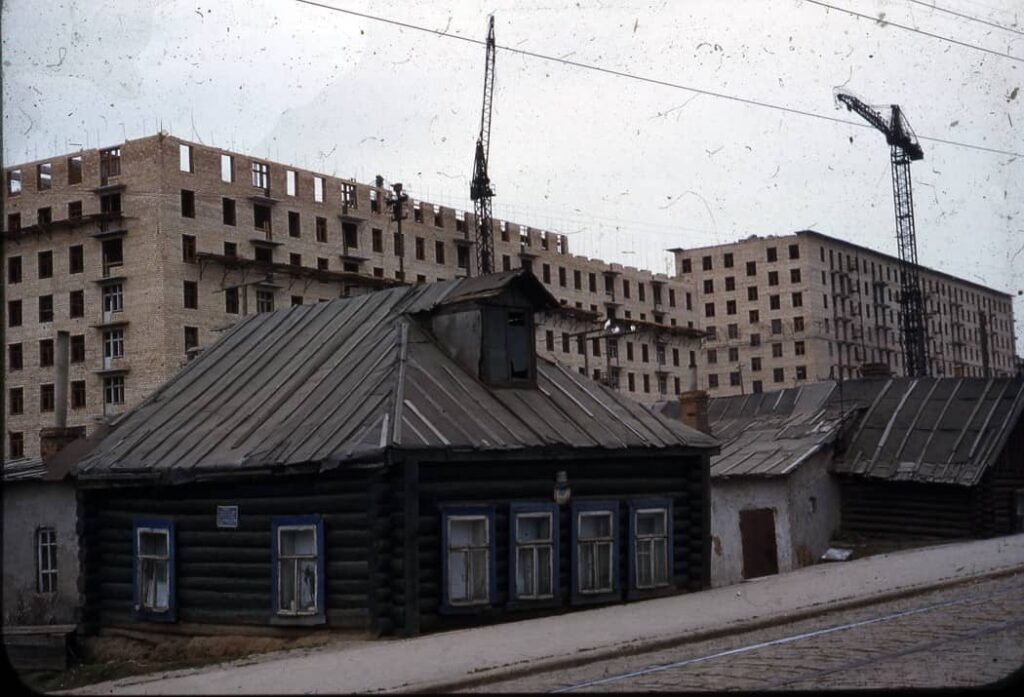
480,188
904,149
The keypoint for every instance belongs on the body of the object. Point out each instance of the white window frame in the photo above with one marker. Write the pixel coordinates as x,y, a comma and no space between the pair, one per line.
113,343
348,194
470,569
113,389
648,542
264,300
595,542
291,179
260,172
46,560
113,298
535,547
156,559
294,560
318,189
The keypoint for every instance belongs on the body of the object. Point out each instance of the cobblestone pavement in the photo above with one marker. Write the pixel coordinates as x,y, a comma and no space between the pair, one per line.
964,636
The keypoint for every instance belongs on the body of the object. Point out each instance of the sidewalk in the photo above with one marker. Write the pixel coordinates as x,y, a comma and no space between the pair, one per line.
449,660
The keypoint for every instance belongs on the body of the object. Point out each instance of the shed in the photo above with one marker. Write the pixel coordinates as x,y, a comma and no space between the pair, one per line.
401,460
774,505
935,458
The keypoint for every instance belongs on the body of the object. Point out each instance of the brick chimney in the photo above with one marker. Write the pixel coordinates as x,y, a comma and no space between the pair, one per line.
693,405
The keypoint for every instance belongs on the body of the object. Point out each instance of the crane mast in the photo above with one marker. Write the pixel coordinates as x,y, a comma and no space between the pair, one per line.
903,149
480,188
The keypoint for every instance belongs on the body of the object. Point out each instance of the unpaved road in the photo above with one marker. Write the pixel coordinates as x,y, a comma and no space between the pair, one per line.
964,636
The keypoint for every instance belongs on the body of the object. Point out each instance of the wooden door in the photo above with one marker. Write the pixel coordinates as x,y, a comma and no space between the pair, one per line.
757,533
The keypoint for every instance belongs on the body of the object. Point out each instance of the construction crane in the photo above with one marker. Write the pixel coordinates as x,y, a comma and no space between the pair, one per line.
480,188
904,149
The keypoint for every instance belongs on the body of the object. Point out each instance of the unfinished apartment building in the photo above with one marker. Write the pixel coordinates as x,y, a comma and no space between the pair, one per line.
142,252
783,310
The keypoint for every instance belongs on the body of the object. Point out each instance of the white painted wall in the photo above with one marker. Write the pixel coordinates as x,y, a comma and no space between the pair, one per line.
802,529
27,506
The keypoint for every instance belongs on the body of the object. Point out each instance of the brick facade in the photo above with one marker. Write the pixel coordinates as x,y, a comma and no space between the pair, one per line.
189,268
823,307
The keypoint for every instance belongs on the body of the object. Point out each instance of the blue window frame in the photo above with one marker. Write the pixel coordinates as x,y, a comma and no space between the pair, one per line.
595,550
650,544
297,571
468,556
533,552
153,591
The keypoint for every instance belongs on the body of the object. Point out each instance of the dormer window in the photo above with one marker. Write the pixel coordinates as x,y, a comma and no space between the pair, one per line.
508,351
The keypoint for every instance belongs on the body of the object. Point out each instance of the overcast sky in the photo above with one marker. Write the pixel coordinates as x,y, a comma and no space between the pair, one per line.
626,168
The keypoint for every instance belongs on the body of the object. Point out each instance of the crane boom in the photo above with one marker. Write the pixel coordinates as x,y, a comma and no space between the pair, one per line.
480,188
903,149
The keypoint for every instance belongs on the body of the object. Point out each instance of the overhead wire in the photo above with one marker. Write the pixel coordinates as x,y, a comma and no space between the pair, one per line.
971,18
650,80
886,22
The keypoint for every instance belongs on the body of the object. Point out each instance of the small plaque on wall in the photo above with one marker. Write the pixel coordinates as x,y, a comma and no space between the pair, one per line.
227,516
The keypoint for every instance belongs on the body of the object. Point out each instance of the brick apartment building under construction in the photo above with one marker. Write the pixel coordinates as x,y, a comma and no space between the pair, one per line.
781,310
129,257
137,254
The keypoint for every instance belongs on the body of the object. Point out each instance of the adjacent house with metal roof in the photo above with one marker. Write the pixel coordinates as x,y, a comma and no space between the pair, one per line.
935,457
774,504
861,460
401,460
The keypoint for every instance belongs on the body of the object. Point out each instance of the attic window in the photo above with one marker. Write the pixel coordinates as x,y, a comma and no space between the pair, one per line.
508,346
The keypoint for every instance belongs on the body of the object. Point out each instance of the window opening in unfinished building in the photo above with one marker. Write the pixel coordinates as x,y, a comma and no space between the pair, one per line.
75,169
110,164
260,175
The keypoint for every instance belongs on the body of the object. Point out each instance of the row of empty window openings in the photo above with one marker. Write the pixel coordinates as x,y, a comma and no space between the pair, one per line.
728,260
112,301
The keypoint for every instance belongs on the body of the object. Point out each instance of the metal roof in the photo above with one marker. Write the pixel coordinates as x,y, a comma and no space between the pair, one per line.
944,430
770,434
23,468
348,380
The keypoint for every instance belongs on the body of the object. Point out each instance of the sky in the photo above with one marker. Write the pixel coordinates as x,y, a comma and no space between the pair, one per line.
626,168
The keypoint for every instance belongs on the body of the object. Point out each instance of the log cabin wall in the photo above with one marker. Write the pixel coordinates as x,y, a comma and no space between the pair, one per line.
681,479
888,509
223,576
995,497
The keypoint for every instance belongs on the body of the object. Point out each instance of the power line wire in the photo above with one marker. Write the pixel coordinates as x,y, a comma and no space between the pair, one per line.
968,17
650,80
886,22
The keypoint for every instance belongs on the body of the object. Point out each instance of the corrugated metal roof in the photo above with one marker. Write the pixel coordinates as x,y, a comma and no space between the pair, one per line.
348,379
943,430
770,434
23,468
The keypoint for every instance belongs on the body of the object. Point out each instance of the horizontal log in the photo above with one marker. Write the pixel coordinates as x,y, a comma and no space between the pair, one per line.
348,569
348,587
224,570
347,600
224,538
116,591
218,615
227,599
225,584
217,554
277,502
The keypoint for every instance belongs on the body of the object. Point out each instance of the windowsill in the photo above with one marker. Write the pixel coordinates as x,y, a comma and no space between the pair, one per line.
475,609
540,604
299,620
